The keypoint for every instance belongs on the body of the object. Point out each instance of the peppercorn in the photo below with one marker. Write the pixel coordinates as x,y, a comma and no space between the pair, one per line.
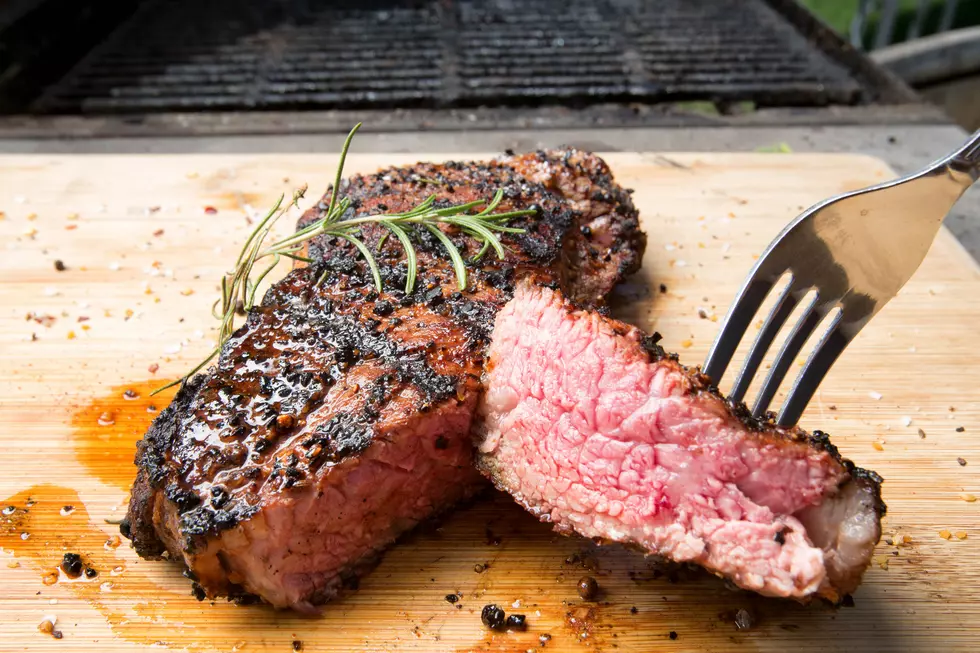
517,622
588,588
71,564
493,617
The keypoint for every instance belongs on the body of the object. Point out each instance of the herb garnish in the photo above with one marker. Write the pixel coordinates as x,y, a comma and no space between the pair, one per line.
238,288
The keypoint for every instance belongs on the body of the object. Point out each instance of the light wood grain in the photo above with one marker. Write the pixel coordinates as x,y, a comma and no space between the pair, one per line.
707,216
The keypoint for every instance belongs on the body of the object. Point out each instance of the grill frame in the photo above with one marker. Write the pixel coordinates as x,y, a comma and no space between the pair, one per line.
443,74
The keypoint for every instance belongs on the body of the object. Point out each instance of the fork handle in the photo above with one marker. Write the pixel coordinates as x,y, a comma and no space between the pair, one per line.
966,158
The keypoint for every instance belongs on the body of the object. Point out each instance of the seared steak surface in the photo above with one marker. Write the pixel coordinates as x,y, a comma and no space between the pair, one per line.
592,427
338,417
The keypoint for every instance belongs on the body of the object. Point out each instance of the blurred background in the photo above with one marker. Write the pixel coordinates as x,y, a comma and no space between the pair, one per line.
706,57
896,79
926,42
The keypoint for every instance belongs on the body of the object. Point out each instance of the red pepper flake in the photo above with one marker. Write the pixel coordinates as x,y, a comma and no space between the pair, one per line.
153,368
71,227
210,210
44,320
158,233
83,318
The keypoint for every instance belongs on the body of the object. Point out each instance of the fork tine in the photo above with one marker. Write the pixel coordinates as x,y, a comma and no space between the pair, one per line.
733,327
822,358
774,322
787,353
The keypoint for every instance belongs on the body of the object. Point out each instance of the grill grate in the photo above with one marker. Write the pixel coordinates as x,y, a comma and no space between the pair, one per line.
269,54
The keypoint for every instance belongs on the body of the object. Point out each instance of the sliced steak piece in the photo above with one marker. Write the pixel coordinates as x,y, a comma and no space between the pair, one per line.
592,427
338,417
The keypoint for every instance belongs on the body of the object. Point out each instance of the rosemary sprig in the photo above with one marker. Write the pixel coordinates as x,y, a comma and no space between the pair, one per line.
239,288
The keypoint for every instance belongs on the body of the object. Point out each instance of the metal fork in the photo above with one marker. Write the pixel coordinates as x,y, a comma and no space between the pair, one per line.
856,251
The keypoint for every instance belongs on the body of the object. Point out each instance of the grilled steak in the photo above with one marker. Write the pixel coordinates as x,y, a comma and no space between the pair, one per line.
338,417
592,427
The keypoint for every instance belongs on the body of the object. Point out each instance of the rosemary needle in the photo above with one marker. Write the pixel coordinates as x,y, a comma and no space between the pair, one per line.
240,287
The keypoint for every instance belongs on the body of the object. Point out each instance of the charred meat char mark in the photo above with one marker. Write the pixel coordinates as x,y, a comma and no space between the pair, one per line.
396,394
283,470
592,427
587,232
328,326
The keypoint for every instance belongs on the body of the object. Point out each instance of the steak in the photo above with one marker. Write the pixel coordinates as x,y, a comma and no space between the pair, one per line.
592,427
338,417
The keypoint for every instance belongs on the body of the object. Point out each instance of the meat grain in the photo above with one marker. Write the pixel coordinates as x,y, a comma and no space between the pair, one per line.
592,427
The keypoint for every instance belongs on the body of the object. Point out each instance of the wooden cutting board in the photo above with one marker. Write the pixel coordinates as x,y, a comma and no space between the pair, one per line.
144,240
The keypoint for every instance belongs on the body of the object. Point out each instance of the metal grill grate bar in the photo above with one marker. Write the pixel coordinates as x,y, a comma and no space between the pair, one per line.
224,54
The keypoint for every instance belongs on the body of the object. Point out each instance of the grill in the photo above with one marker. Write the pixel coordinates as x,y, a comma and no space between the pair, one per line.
191,55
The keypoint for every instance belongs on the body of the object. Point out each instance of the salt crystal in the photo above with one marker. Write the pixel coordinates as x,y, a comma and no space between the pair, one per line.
726,247
669,247
172,349
114,266
516,604
875,395
20,199
53,602
681,263
198,334
50,291
906,421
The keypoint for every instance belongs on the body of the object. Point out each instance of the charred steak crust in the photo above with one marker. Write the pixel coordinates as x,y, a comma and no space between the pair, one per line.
587,231
652,455
283,469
